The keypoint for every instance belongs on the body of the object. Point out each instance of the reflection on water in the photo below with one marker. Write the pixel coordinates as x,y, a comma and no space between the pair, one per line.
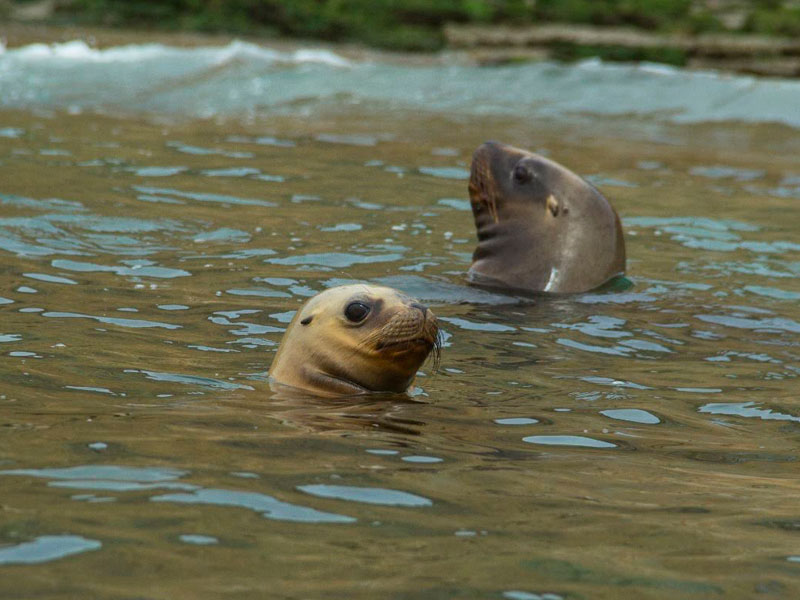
635,441
46,548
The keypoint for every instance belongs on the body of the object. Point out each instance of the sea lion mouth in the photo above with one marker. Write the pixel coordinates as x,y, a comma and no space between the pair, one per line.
409,333
482,193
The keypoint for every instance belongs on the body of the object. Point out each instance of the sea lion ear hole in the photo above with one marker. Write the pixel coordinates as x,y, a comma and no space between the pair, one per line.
552,205
522,174
356,312
307,320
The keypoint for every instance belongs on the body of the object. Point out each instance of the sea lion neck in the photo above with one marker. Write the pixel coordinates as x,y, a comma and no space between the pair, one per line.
512,255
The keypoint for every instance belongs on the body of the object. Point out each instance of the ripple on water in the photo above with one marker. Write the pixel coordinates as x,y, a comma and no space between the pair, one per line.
246,328
45,204
745,409
606,181
598,326
121,486
517,421
520,595
568,440
139,268
705,233
158,171
368,495
434,290
102,472
284,317
201,151
723,172
614,382
382,452
262,292
348,139
771,292
198,540
46,548
123,479
616,298
455,203
224,234
477,325
247,253
422,459
264,140
11,132
81,388
50,278
445,172
202,196
207,382
768,325
232,172
335,260
341,227
633,415
267,506
132,323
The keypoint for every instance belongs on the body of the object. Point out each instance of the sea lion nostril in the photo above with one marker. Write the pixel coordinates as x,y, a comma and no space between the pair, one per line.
420,307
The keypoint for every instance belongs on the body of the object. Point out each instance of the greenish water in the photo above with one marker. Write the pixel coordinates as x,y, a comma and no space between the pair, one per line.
632,443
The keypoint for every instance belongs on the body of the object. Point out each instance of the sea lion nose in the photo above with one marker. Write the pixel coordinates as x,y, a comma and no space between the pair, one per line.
420,307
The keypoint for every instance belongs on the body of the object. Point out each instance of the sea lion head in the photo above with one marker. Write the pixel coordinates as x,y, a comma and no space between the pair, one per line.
355,339
541,228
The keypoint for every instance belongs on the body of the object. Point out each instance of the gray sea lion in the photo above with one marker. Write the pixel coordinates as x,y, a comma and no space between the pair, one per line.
541,228
356,339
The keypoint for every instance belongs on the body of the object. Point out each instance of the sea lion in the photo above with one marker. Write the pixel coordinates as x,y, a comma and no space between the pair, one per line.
355,339
541,228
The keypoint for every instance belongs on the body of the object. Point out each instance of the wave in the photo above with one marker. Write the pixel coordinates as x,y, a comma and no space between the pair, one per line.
246,78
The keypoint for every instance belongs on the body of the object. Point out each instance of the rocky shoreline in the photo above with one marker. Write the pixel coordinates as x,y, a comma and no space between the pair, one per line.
751,54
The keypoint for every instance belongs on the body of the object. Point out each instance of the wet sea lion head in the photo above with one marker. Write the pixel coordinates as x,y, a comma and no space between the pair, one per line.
355,339
541,228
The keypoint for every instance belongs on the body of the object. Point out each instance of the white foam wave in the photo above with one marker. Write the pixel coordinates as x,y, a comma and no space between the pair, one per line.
79,51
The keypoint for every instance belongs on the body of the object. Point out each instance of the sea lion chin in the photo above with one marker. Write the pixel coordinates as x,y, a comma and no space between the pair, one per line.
541,228
356,339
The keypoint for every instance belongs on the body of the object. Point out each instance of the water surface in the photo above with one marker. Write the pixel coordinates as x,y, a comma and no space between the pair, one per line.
163,213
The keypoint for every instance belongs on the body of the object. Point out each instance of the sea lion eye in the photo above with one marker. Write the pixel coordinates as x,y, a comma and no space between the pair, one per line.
356,312
522,174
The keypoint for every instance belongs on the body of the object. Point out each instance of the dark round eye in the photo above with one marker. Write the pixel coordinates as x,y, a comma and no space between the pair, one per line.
356,312
522,174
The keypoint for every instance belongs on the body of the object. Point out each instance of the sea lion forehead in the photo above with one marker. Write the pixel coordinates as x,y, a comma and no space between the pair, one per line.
335,298
504,157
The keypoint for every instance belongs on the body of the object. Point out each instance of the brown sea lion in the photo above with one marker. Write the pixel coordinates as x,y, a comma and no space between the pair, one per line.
541,228
356,339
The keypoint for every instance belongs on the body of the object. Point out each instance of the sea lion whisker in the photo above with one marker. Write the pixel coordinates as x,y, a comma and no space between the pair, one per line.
435,356
492,206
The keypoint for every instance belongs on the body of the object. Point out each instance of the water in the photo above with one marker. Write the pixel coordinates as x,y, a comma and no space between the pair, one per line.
156,235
